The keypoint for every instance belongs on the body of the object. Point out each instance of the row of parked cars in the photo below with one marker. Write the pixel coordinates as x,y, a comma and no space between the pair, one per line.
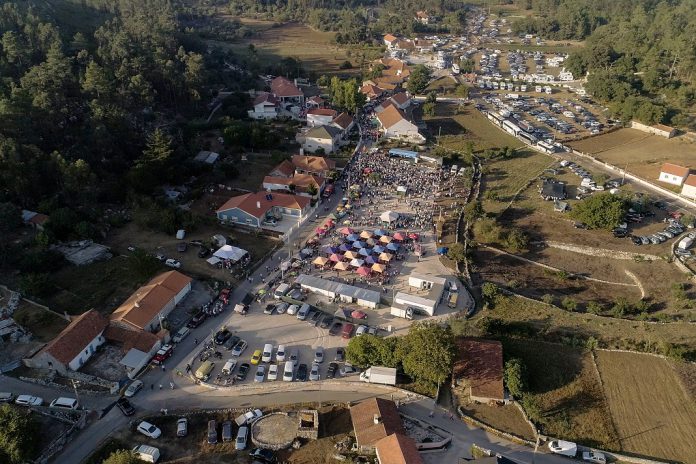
31,400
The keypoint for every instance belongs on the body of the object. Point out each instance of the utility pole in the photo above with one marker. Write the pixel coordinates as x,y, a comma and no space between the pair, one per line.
77,397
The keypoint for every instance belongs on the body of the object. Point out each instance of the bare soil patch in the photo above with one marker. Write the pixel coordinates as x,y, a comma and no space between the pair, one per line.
650,407
502,417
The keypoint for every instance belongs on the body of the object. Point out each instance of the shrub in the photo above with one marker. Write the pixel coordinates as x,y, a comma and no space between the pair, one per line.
594,308
547,298
569,304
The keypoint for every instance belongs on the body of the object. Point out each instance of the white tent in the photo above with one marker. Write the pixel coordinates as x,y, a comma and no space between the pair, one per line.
230,252
389,216
213,260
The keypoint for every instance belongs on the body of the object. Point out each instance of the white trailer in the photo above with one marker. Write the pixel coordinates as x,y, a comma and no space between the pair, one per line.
511,127
406,313
685,243
379,374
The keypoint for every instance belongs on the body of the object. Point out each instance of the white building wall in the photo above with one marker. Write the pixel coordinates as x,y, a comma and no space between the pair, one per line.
86,353
671,179
689,191
312,144
318,120
182,294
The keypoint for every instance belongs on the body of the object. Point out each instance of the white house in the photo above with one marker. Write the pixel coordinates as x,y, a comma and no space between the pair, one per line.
71,348
673,174
394,125
426,296
689,187
320,116
658,129
344,292
265,106
390,40
344,122
322,137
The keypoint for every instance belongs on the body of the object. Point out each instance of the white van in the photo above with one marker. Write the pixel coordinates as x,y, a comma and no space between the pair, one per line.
289,372
267,354
242,436
147,453
303,312
281,291
64,403
229,366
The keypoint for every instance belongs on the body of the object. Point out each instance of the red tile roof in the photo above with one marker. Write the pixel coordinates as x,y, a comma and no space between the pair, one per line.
281,87
317,100
363,414
675,170
371,90
285,168
313,163
691,180
143,305
390,116
140,340
249,201
38,219
480,362
299,180
76,336
400,98
265,97
390,38
343,120
397,449
323,112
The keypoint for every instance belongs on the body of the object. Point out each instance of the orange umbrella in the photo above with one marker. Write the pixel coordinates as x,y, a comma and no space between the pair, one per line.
320,261
385,257
365,234
385,239
341,266
378,267
351,255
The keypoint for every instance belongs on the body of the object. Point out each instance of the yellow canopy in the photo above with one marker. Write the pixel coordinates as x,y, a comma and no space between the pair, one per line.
385,257
378,267
385,239
341,266
351,255
365,234
320,261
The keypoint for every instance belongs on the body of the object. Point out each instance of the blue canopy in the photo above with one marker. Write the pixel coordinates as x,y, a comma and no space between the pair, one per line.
442,250
329,250
359,244
353,237
364,251
393,246
370,260
344,247
378,249
381,232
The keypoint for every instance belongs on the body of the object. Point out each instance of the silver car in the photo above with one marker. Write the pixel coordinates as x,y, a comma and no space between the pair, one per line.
314,373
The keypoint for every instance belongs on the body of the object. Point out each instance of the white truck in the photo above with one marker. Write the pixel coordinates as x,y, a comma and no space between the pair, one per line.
379,374
562,447
685,243
406,313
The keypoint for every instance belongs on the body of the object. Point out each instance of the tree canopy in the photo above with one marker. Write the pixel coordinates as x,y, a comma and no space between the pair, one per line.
418,80
601,211
17,443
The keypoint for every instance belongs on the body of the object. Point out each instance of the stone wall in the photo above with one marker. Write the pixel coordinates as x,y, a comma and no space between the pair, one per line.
311,433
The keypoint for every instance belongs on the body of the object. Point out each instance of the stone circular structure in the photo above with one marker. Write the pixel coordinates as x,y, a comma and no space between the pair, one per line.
274,431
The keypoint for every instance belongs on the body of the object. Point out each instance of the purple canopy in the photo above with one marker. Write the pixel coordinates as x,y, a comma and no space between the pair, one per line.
344,247
329,250
370,260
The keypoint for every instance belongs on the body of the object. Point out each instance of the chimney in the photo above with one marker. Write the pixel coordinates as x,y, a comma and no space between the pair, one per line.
376,419
258,204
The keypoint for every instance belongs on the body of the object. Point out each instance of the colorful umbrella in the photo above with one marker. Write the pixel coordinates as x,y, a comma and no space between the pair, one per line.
344,247
350,255
358,244
320,230
389,216
357,262
399,236
364,252
385,257
371,241
341,266
320,261
353,237
393,247
385,239
335,258
378,249
332,216
366,234
329,250
370,260
363,271
346,231
378,268
442,250
413,236
381,232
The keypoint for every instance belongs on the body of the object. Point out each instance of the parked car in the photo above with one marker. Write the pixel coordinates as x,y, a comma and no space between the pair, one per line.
273,372
314,372
181,334
226,431
203,252
292,309
326,321
340,354
302,372
267,354
336,328
594,457
243,371
319,355
294,356
222,336
182,427
181,247
256,357
362,329
303,312
347,330
197,320
239,348
125,406
242,437
348,369
263,455
260,375
316,316
269,309
281,308
172,263
163,354
331,372
280,353
231,342
133,388
212,432
149,430
289,371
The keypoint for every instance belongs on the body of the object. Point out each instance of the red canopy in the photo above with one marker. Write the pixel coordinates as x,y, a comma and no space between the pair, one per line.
399,236
346,231
363,271
413,236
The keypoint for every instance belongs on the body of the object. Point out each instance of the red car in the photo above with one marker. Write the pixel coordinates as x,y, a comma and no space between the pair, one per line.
163,354
347,330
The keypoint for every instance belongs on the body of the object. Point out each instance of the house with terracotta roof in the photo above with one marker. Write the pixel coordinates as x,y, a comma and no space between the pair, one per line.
423,17
284,169
397,448
152,302
320,116
344,122
326,138
34,219
390,40
287,93
401,100
265,106
138,347
74,345
394,67
394,125
673,174
373,420
262,209
316,165
689,187
298,184
478,369
315,102
371,90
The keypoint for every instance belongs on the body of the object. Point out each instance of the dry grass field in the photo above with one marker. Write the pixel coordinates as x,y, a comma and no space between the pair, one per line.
643,153
315,49
507,418
654,415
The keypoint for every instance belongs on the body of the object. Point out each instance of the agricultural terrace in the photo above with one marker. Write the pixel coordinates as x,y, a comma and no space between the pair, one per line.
315,50
653,414
642,154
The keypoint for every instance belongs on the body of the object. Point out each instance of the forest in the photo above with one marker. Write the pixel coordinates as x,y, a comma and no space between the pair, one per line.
640,56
